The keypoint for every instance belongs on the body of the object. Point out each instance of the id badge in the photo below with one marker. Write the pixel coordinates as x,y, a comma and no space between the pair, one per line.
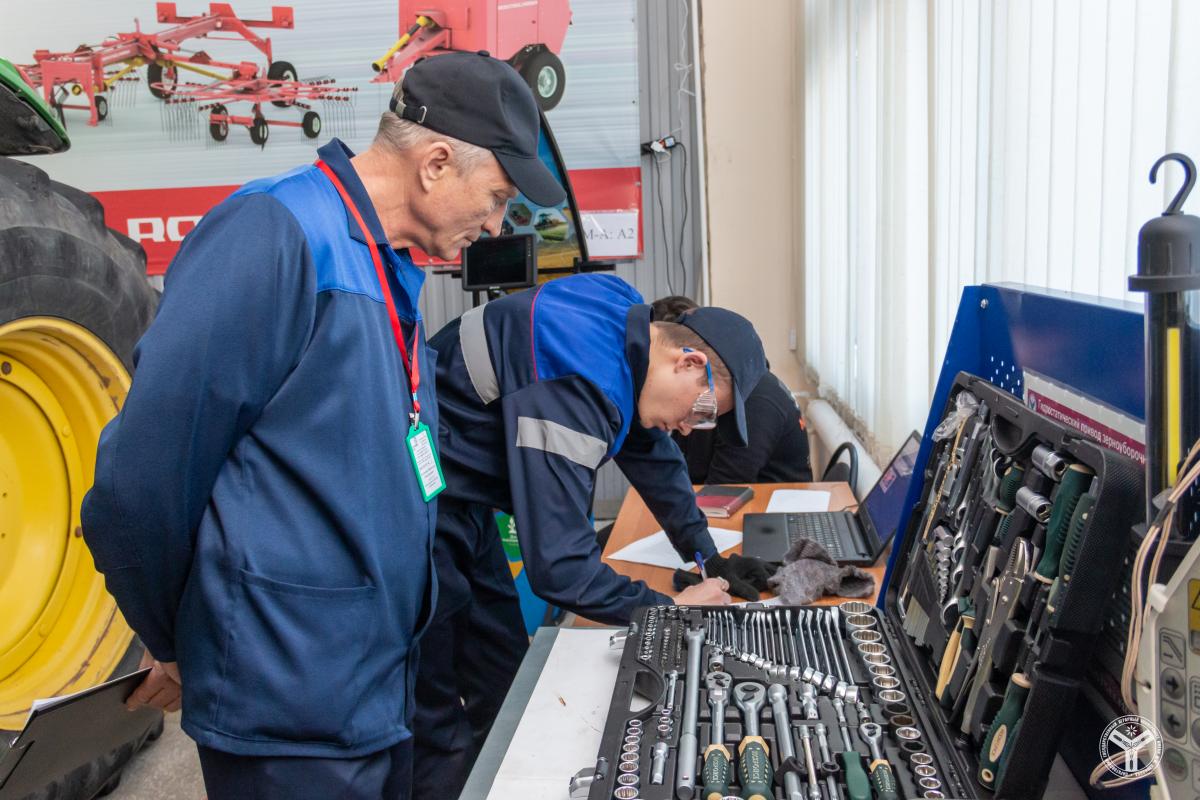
425,461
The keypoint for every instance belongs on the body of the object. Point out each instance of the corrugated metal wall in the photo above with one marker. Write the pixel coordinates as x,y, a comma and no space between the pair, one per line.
669,190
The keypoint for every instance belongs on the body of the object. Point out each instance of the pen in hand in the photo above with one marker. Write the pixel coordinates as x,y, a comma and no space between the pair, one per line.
700,564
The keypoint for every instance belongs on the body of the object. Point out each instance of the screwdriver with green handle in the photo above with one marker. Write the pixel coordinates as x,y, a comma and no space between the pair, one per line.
995,744
857,785
1074,485
1071,549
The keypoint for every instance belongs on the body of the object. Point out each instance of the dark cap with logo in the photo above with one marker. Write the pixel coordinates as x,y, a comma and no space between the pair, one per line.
483,101
734,339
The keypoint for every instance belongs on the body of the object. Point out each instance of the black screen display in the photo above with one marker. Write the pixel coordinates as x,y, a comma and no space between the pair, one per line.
505,262
884,506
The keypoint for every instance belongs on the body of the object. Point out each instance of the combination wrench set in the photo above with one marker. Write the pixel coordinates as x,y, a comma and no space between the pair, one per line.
758,703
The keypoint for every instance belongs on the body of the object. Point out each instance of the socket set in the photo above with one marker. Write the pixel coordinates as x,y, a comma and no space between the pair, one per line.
755,702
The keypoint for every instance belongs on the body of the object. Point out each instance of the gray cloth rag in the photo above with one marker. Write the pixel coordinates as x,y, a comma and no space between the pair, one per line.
809,572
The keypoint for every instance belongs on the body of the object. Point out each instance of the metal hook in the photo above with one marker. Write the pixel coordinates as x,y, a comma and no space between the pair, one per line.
1189,180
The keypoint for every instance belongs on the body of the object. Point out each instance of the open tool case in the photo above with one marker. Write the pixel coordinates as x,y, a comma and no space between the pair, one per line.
1011,553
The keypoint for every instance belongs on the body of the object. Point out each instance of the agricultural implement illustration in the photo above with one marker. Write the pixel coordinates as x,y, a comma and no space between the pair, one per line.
93,70
529,35
212,99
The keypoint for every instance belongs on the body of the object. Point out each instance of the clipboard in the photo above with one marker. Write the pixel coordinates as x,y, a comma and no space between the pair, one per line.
66,733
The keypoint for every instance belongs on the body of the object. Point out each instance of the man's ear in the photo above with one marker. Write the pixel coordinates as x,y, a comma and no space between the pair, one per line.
691,359
434,164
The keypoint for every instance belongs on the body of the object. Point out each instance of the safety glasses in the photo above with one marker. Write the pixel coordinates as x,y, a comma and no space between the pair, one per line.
704,411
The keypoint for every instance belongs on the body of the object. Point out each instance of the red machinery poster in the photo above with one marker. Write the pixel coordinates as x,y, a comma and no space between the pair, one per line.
173,105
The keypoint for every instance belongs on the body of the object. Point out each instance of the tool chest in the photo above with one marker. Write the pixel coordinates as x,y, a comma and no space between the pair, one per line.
959,685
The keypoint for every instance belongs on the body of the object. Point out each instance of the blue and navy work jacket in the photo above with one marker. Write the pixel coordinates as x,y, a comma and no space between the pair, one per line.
537,390
255,511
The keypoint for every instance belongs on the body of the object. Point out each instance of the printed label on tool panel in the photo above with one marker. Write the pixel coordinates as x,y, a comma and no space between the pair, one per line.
1194,694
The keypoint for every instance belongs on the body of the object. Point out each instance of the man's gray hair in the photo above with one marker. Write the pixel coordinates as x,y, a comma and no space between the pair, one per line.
402,134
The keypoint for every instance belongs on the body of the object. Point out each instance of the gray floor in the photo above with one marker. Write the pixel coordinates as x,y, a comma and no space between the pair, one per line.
166,770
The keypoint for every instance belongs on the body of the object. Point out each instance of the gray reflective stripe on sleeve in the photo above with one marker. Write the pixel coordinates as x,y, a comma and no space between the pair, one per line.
542,434
473,341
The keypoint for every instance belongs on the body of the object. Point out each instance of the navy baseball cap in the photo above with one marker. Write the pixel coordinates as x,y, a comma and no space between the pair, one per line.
734,339
483,101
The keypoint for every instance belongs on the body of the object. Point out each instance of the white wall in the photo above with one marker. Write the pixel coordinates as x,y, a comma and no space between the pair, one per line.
753,128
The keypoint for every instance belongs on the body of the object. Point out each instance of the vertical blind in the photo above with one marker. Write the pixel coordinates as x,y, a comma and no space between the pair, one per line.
950,143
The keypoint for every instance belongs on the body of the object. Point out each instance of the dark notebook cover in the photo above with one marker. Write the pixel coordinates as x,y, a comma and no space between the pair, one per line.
71,732
723,501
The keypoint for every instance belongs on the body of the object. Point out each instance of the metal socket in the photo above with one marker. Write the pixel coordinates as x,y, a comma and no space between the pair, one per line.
897,721
633,738
864,635
856,607
924,771
929,783
908,734
860,621
627,766
630,748
635,723
877,659
627,779
911,746
934,794
626,793
885,682
871,649
633,757
881,670
892,695
896,709
920,759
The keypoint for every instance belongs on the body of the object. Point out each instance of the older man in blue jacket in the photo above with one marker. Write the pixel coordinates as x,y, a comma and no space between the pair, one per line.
537,390
256,512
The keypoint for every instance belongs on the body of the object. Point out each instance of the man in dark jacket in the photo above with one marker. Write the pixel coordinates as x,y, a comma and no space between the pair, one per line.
536,391
256,512
776,449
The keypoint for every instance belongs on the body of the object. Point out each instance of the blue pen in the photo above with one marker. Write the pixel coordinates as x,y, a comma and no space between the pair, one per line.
700,564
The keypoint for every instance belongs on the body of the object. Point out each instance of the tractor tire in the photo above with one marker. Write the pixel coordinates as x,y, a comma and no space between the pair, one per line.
281,71
73,302
544,73
101,108
157,73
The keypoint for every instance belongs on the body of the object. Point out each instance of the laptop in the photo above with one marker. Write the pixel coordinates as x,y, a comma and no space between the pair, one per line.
852,538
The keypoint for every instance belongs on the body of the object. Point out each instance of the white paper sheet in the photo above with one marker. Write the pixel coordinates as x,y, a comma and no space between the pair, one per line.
798,500
656,549
561,728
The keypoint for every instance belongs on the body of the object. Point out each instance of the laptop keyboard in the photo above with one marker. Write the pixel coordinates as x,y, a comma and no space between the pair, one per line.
827,529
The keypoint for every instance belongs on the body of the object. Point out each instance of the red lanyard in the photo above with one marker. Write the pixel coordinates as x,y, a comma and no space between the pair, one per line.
411,367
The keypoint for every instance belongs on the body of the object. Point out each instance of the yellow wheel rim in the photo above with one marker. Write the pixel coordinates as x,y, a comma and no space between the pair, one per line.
60,631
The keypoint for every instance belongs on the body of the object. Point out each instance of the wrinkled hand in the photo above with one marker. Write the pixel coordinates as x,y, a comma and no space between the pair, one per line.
161,688
704,593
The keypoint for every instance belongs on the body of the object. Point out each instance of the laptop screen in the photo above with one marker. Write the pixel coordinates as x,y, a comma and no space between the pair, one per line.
885,503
